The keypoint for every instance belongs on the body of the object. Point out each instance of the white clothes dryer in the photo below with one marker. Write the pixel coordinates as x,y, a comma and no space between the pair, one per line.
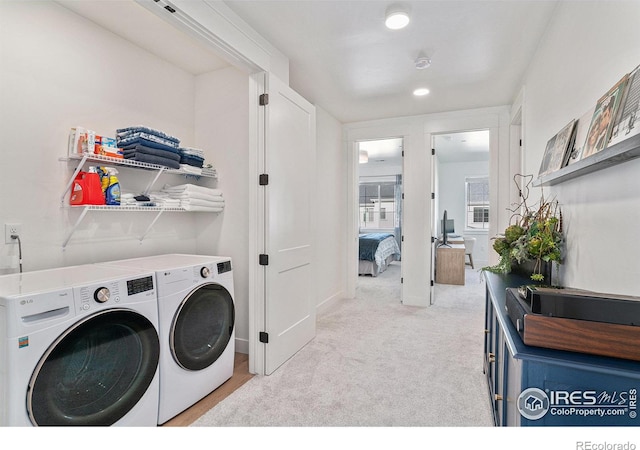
197,326
79,345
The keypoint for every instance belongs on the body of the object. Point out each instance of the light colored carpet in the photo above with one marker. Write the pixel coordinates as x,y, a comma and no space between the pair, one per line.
376,362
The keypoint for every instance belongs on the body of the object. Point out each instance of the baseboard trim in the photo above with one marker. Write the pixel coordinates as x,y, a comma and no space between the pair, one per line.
242,346
326,304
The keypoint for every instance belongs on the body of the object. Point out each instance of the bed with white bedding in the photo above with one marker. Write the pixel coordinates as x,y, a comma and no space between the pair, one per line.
376,252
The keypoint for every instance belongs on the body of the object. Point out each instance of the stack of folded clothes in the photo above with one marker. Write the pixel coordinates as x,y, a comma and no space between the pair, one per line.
191,159
148,145
195,198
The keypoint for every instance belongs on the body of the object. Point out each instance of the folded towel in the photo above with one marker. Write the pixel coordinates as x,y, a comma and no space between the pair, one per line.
130,131
196,195
192,160
191,169
189,188
158,160
130,143
202,208
199,202
209,171
130,152
192,151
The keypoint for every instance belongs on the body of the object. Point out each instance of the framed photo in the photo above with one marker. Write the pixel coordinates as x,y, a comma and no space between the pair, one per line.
627,122
603,119
580,136
558,149
548,152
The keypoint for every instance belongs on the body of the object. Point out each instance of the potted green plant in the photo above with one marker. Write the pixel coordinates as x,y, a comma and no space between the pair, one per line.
533,238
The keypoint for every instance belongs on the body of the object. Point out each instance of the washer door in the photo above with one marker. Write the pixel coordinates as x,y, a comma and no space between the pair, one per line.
202,327
96,371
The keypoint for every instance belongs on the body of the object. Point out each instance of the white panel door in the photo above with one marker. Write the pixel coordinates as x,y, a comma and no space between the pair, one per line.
290,299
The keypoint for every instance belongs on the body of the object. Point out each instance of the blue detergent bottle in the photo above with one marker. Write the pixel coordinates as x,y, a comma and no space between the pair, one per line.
112,193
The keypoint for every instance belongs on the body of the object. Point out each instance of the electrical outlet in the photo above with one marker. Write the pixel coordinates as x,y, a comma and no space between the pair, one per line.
9,230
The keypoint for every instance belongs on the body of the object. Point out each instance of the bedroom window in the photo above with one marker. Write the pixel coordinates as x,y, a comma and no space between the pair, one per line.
477,203
378,205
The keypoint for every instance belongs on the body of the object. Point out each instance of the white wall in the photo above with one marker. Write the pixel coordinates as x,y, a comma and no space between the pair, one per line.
59,70
331,210
588,47
452,197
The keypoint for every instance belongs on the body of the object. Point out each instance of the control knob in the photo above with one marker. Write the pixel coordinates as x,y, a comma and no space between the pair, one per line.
101,295
205,272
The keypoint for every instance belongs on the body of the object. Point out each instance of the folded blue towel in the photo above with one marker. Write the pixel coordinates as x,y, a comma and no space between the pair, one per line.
129,131
152,159
147,143
131,152
192,160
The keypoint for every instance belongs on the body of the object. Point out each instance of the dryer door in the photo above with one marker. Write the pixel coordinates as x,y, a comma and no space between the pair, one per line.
96,371
202,327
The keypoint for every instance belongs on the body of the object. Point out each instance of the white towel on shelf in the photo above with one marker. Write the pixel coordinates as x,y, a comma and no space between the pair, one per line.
190,188
198,195
200,202
191,169
203,208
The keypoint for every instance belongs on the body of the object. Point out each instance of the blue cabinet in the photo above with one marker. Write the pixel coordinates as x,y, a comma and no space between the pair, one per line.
533,386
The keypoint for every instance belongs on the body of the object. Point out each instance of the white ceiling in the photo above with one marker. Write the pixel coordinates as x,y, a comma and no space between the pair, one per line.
136,24
343,59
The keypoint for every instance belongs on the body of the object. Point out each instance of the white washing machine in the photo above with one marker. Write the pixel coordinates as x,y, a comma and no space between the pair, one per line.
197,326
79,345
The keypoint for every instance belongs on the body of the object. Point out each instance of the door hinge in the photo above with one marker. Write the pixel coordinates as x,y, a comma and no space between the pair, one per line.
520,142
433,239
263,259
432,283
403,153
264,179
264,337
433,151
170,9
403,196
433,195
401,280
264,99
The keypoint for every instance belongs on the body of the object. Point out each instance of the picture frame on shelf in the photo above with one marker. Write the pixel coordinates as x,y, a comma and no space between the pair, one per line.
558,149
548,151
603,119
582,127
627,123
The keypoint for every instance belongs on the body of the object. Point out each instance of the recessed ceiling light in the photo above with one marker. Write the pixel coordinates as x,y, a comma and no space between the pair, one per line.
420,92
396,18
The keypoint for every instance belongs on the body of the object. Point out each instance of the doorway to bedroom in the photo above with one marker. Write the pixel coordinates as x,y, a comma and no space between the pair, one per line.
380,211
461,187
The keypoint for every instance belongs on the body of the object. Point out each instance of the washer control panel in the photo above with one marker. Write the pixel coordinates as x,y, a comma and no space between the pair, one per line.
113,292
100,294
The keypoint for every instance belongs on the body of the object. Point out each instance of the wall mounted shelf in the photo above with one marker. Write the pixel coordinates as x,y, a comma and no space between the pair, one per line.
159,170
87,208
130,163
622,151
